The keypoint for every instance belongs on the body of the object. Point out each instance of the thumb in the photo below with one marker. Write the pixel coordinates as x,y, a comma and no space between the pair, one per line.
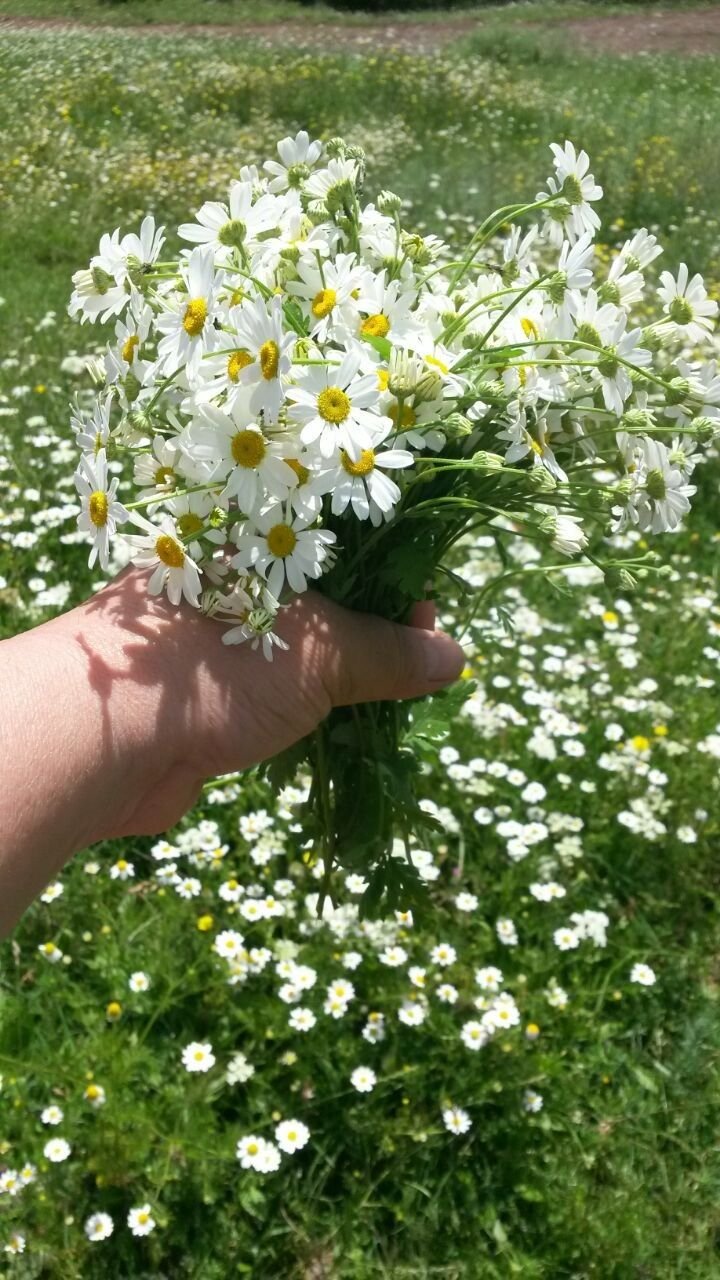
373,660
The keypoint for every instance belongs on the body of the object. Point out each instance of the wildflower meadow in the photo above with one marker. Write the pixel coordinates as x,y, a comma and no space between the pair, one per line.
436,993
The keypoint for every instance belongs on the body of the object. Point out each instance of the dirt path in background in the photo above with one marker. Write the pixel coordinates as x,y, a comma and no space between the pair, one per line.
688,31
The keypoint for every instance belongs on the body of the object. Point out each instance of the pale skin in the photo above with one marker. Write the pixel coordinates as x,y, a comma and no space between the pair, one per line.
113,715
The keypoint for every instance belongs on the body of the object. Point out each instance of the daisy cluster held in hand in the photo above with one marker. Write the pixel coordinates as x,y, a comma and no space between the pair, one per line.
312,384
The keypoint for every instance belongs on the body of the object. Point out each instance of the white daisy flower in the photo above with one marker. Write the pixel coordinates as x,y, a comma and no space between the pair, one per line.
302,1019
456,1120
248,1151
198,1057
188,888
237,451
297,157
155,471
361,483
387,307
139,981
99,1226
259,332
283,550
50,951
532,1101
578,189
687,305
92,432
291,1136
141,1221
229,944
100,291
122,870
56,1150
566,939
332,404
161,550
326,184
100,511
329,290
53,891
268,1159
52,1115
225,229
363,1079
474,1035
187,324
643,974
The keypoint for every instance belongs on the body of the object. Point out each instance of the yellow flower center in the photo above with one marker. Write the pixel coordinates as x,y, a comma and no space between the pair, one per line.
281,541
301,472
169,551
198,1055
323,303
333,405
407,418
143,1218
189,524
252,1148
113,1009
195,317
529,328
92,1092
163,475
129,347
98,508
269,360
362,467
437,363
121,864
383,379
640,743
377,326
238,361
248,448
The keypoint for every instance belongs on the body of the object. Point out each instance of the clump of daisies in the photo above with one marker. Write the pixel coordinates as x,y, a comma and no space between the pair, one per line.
310,394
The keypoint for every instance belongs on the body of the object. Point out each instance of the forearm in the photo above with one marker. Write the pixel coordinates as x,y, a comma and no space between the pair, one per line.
73,753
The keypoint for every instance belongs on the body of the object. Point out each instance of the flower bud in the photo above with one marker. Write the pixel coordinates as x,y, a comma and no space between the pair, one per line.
317,212
540,480
389,203
404,372
619,579
705,429
336,148
485,461
636,420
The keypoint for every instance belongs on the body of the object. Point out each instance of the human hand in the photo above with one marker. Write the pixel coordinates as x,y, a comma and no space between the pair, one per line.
192,707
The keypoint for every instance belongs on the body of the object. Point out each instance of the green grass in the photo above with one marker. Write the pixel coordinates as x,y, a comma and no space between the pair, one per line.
225,12
121,12
618,1177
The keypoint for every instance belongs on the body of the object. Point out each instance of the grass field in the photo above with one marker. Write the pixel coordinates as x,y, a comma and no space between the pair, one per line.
616,1175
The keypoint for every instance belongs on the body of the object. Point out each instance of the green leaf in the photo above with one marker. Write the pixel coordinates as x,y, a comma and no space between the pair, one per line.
433,718
383,346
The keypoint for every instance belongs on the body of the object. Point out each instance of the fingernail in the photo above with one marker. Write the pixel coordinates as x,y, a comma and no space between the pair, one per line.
444,659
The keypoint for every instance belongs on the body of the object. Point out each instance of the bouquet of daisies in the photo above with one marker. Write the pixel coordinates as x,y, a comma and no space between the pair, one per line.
312,394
